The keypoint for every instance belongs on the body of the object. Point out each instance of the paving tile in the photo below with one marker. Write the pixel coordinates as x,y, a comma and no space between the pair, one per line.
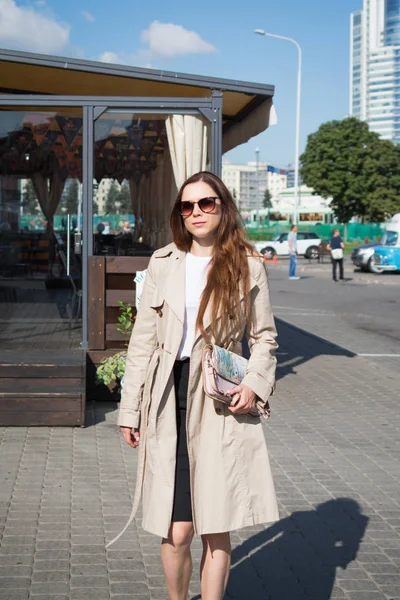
319,454
15,571
90,581
89,594
62,554
14,582
9,594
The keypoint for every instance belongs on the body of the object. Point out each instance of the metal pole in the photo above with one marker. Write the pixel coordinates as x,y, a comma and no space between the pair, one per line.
87,231
79,216
296,165
68,244
257,151
296,161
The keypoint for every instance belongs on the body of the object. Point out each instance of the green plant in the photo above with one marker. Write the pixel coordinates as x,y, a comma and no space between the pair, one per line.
126,318
113,368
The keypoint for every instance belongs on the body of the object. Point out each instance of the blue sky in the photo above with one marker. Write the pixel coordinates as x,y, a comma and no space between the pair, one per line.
214,37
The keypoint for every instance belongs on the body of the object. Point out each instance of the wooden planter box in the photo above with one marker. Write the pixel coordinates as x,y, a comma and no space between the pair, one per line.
42,389
111,280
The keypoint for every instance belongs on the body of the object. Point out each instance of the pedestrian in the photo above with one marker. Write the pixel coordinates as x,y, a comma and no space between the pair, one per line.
336,247
125,229
292,240
203,466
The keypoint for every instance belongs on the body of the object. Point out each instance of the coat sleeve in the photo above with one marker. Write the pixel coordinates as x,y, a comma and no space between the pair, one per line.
141,347
260,376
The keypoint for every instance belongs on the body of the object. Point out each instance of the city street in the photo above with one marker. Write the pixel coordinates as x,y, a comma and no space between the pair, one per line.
334,445
360,314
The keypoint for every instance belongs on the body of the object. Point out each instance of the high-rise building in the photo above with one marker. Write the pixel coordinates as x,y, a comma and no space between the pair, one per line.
247,183
290,170
375,66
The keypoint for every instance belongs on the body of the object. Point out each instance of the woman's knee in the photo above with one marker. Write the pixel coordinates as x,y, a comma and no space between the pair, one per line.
180,535
217,541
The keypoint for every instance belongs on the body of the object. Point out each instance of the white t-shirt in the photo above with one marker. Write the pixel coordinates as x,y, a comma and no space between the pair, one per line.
196,279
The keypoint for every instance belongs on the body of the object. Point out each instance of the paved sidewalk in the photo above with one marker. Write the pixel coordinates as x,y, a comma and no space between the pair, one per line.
361,317
335,447
324,269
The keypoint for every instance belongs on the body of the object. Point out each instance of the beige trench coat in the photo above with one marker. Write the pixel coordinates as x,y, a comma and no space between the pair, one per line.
230,475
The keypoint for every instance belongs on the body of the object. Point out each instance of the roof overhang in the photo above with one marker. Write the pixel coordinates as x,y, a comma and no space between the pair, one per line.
247,107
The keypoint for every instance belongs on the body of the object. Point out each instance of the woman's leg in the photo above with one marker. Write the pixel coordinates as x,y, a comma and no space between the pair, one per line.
215,565
176,559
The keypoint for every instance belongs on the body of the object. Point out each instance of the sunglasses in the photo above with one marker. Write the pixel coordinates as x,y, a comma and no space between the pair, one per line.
206,205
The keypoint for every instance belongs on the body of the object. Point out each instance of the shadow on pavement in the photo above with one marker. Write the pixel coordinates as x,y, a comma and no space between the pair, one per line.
297,346
297,558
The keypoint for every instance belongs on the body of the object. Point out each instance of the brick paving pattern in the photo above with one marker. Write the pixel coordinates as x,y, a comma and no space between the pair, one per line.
334,443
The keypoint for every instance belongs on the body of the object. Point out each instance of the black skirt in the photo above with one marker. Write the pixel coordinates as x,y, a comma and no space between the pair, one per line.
182,508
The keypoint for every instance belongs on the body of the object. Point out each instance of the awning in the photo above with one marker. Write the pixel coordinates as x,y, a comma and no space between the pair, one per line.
247,107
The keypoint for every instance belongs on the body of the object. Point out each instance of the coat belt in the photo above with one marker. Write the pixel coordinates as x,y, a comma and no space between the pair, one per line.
142,447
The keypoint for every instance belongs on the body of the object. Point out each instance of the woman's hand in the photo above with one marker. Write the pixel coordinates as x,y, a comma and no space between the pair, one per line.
245,401
131,436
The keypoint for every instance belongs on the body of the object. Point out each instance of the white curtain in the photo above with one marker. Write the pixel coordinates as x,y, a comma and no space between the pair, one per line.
48,192
153,197
188,142
165,192
257,121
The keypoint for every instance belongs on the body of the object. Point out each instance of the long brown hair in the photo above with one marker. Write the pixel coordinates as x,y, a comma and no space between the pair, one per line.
229,269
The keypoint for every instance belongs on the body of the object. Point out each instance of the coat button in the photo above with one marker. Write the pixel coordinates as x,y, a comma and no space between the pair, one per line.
218,411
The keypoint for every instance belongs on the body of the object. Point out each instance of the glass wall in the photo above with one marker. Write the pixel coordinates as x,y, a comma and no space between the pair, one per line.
138,168
392,23
40,228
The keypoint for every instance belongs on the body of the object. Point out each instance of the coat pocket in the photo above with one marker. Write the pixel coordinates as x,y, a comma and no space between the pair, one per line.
157,304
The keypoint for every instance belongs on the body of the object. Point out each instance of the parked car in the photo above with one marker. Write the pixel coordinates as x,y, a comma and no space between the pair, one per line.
387,255
307,245
362,256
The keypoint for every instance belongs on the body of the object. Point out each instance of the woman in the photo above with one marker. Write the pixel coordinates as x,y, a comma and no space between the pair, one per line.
203,467
336,247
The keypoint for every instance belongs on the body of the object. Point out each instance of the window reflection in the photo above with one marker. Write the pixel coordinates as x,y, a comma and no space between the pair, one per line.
40,212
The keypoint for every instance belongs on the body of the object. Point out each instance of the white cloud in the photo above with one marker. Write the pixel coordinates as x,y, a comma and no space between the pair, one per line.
40,2
23,28
169,40
111,57
88,16
140,59
165,40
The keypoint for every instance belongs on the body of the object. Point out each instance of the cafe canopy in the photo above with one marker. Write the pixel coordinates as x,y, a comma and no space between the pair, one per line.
190,120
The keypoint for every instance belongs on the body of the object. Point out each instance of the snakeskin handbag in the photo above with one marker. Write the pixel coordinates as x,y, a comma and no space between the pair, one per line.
222,371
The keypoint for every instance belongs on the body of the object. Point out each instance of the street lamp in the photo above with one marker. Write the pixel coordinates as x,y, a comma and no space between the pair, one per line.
257,151
296,161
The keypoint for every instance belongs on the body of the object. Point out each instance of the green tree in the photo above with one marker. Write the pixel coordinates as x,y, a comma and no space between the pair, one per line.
69,199
31,204
125,199
382,170
72,197
333,164
112,197
267,200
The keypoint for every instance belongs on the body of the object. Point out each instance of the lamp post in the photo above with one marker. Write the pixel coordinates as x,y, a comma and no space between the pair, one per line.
296,161
257,151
